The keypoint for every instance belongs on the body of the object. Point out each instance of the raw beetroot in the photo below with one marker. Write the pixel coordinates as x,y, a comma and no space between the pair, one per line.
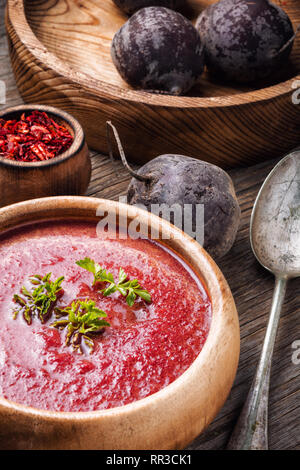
158,50
245,40
178,180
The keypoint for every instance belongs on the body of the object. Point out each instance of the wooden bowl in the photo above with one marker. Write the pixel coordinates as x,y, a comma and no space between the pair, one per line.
168,419
68,173
60,53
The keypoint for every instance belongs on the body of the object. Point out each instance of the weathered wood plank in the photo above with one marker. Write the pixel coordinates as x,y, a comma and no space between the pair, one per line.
252,288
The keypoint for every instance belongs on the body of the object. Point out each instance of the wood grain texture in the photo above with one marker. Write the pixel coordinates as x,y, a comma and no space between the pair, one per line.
252,288
60,56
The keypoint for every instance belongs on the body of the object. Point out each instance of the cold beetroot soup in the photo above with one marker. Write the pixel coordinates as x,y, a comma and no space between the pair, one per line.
51,362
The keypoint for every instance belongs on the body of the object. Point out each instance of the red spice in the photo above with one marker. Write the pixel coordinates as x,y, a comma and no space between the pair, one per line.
34,138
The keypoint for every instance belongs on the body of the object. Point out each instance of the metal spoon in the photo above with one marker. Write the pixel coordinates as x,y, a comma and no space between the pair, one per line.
275,241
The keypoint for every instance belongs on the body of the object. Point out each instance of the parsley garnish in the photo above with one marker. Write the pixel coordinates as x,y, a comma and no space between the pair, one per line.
41,300
129,289
84,319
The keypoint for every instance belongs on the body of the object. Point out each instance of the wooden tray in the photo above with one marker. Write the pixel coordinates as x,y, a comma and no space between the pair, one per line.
60,52
252,287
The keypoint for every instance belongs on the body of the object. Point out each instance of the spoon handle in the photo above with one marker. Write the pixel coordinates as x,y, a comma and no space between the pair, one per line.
251,430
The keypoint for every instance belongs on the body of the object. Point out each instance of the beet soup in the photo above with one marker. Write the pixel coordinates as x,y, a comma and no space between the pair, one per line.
147,345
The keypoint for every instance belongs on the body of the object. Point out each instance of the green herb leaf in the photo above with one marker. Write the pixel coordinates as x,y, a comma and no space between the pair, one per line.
144,294
100,274
130,297
41,300
84,319
122,276
109,290
129,289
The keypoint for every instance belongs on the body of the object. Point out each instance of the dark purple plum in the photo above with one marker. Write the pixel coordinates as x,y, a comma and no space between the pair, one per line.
245,40
131,6
158,50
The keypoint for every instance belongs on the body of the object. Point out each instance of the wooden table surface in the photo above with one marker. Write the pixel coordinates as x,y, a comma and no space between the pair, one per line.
252,288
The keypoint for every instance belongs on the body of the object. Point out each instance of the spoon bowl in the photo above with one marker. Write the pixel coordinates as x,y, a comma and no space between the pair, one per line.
275,221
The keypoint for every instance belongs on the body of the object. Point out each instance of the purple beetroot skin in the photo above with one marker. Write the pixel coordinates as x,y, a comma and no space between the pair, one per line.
158,50
179,180
245,40
131,6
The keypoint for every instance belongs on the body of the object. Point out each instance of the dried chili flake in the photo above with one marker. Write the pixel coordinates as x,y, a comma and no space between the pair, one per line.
33,138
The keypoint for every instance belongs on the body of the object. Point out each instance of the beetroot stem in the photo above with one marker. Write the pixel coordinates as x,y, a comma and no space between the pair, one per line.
288,43
143,178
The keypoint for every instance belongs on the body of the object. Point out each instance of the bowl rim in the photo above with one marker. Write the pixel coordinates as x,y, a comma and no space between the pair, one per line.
221,297
15,13
74,149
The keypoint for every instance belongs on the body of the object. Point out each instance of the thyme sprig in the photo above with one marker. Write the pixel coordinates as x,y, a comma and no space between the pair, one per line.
83,320
130,289
41,300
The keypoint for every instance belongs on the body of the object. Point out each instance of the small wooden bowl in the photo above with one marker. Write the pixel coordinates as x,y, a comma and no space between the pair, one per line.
60,53
168,419
68,173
